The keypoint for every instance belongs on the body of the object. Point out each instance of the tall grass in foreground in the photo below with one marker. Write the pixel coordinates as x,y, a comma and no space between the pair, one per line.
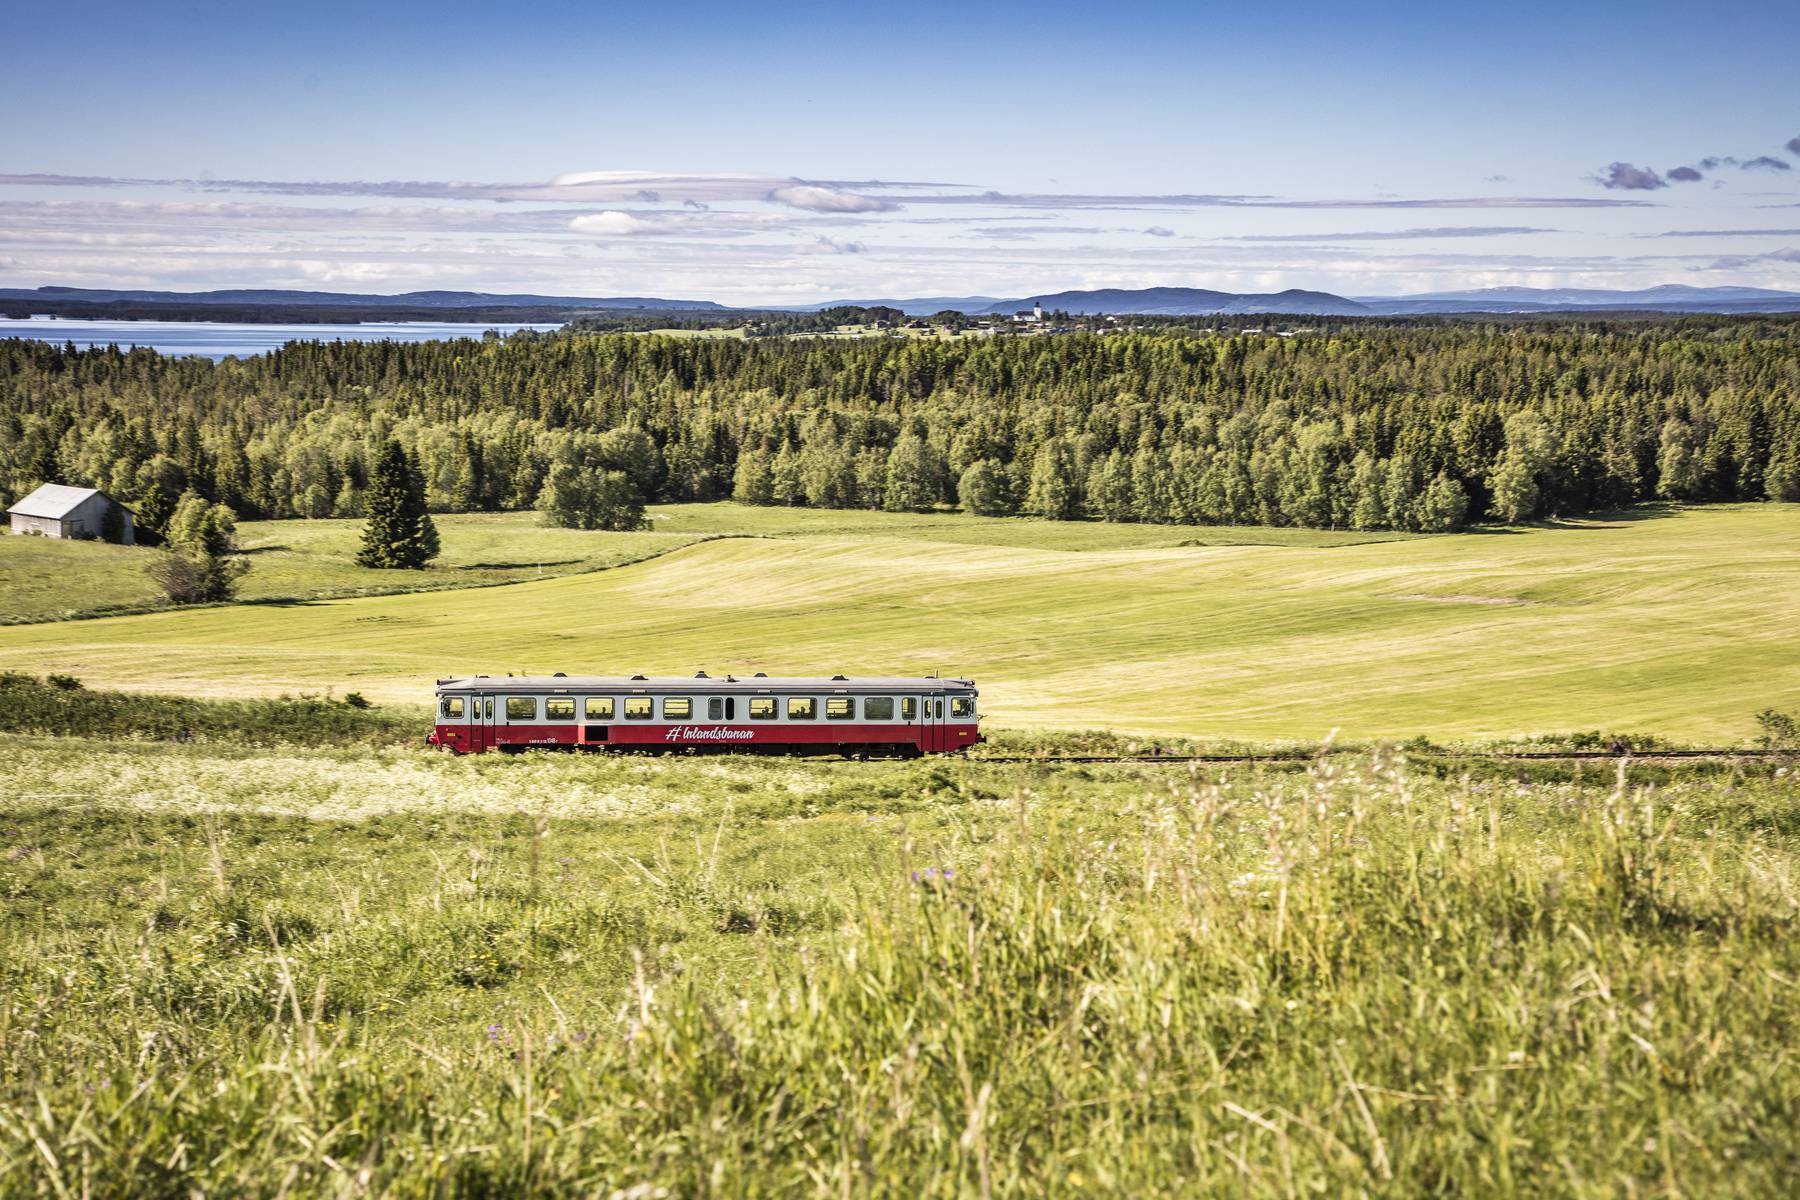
1339,981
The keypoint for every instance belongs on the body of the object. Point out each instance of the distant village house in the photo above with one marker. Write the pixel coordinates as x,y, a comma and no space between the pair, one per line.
58,511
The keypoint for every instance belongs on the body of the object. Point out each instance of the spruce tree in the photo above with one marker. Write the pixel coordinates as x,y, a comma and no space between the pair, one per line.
399,532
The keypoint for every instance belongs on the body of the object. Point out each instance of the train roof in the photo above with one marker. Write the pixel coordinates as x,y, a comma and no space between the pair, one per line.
702,683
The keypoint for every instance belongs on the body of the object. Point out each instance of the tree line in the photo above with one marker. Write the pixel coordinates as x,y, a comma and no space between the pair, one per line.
1361,425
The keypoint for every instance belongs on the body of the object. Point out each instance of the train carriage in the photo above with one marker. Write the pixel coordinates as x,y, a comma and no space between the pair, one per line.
747,715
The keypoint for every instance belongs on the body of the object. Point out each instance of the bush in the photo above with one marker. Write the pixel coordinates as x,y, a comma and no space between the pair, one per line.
48,708
188,576
1780,731
62,683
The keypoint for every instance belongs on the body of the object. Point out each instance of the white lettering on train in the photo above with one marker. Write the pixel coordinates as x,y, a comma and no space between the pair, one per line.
706,733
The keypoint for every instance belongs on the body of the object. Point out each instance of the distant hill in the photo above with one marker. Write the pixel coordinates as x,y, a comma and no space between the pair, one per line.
1182,302
1669,297
919,306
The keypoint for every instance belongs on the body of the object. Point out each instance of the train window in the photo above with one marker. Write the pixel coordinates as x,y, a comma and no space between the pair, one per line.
488,704
802,708
909,708
453,707
521,708
599,708
962,706
840,708
937,710
762,708
678,706
878,708
721,708
639,708
559,708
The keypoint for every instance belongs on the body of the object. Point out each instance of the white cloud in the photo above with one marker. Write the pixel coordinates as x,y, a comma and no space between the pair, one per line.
813,198
621,224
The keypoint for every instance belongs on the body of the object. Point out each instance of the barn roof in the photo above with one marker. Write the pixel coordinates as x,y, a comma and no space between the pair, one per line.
55,501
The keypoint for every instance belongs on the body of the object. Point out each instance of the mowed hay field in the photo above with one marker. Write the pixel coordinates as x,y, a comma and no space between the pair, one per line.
44,579
1679,623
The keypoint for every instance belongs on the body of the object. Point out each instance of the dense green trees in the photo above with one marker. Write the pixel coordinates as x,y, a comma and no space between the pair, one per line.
399,532
1406,424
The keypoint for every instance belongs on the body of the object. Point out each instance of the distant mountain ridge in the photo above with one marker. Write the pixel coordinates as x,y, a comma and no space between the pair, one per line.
1668,297
1183,302
1153,301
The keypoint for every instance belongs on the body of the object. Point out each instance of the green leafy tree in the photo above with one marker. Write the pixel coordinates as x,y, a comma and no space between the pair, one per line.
633,453
398,532
1677,466
828,473
1053,493
752,482
198,562
1515,489
1783,477
578,497
785,486
1444,505
916,474
1109,493
983,489
1516,482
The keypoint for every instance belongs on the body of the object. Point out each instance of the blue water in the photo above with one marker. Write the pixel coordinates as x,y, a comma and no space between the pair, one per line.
220,339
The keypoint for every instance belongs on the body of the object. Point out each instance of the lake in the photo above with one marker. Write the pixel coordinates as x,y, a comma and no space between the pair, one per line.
220,339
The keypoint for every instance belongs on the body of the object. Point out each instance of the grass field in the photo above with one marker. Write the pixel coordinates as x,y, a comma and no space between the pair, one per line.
46,580
42,579
1674,623
330,972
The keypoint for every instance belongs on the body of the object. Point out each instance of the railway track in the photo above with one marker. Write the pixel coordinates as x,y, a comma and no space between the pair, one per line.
1298,756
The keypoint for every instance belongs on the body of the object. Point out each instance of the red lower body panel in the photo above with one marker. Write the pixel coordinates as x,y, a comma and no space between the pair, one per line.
473,738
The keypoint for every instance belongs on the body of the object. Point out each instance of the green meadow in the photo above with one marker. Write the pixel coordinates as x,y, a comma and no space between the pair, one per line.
275,948
1676,622
317,972
43,579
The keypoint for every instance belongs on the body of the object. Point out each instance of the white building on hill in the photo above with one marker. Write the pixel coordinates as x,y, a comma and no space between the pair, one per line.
58,511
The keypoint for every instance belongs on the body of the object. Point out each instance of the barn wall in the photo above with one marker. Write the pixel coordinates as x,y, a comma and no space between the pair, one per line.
46,526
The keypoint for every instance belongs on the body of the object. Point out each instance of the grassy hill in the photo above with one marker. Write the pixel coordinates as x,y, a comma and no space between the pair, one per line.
1678,623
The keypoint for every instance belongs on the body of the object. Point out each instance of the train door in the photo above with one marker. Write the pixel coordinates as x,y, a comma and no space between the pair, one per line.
481,723
931,724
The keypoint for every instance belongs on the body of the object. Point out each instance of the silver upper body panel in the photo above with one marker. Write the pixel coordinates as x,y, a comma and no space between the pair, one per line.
711,684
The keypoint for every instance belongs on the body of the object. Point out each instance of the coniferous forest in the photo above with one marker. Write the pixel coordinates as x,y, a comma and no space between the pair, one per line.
1363,425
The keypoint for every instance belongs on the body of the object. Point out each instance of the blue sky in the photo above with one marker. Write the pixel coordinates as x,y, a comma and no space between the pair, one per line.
787,153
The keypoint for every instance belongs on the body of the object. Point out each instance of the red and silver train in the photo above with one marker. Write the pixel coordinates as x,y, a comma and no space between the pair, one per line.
752,715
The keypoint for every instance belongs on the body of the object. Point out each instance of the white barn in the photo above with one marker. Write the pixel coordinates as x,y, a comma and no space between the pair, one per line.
58,511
